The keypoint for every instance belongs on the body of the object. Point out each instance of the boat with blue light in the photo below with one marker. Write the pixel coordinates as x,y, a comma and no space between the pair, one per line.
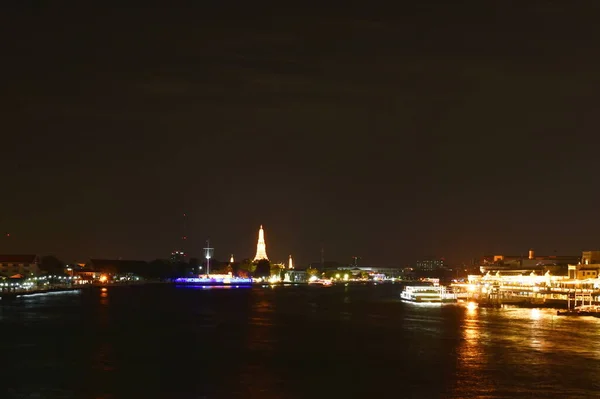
214,279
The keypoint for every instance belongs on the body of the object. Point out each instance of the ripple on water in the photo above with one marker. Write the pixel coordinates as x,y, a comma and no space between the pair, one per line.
286,344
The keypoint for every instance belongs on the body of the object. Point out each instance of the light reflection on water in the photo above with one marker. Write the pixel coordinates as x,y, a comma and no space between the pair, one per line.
265,342
515,352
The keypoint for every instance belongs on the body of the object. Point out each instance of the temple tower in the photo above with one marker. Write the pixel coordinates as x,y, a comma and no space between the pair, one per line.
290,263
261,247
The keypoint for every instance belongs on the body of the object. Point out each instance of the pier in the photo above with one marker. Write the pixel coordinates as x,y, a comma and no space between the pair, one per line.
531,290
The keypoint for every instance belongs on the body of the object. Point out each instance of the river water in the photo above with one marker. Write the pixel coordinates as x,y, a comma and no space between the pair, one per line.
161,341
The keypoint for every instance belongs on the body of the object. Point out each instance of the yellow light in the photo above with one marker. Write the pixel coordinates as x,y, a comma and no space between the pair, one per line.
337,275
274,279
103,278
471,306
471,287
346,277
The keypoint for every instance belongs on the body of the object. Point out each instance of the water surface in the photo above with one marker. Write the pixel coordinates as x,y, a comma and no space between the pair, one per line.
288,342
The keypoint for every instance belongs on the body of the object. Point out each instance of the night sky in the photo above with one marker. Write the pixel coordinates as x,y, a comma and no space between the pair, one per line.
422,129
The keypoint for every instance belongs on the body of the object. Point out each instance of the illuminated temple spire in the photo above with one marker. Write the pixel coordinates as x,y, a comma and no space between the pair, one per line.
231,259
290,263
261,247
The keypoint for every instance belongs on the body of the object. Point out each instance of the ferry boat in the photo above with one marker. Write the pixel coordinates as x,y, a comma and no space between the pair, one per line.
428,293
213,279
323,282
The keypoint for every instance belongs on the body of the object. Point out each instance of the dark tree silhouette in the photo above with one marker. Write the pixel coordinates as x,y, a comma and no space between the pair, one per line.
246,268
52,265
263,269
160,268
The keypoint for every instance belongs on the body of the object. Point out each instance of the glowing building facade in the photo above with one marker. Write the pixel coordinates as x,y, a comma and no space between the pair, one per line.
261,247
430,264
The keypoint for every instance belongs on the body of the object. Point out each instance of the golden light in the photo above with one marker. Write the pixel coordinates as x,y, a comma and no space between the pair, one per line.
261,247
103,278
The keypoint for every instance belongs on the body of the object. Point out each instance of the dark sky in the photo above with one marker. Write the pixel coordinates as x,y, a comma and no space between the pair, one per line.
421,129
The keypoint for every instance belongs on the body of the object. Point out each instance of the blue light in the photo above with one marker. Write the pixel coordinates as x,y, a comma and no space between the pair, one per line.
214,280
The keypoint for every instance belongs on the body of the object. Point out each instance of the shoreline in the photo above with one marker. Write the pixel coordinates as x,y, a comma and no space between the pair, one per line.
17,294
10,295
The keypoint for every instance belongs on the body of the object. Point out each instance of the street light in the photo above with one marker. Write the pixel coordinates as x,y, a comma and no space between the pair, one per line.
208,253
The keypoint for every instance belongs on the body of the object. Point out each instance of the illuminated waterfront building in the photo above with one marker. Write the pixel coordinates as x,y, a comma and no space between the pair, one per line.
590,257
373,270
430,264
261,247
177,256
583,272
556,264
519,280
19,265
587,268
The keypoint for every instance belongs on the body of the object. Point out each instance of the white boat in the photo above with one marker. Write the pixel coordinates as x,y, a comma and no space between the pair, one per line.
323,282
427,293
